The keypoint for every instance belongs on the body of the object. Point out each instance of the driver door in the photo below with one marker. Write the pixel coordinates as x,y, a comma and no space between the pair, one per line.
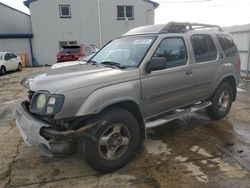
171,87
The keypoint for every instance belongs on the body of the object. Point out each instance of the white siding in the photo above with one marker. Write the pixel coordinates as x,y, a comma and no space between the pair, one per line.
241,35
18,46
242,41
14,22
48,28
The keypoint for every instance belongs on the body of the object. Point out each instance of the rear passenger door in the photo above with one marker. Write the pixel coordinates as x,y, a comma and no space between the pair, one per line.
205,63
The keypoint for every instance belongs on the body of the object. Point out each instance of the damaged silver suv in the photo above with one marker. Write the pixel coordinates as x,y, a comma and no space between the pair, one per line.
146,78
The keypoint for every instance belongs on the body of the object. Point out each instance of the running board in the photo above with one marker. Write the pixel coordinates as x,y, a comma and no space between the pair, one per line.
178,114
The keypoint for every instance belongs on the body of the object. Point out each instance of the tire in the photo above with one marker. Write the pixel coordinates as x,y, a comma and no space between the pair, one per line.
19,67
2,70
114,146
222,101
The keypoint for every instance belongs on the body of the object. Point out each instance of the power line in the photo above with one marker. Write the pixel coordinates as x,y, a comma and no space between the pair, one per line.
189,1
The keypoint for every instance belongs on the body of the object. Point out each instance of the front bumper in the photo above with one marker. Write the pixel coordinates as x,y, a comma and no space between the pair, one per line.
35,131
30,128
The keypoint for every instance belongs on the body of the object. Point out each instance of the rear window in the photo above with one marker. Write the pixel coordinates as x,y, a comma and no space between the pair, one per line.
204,48
70,49
228,45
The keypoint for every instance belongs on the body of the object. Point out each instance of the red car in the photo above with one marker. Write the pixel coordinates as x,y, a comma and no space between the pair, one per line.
74,52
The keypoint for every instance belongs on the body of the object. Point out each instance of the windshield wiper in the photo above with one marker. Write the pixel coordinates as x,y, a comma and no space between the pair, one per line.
113,64
91,61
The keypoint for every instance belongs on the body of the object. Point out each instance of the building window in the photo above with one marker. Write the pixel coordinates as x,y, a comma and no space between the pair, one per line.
125,12
65,11
67,43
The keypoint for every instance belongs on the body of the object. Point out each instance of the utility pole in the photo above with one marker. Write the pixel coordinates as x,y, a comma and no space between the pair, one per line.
99,23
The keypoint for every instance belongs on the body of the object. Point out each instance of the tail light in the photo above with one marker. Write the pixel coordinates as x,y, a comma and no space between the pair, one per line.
238,65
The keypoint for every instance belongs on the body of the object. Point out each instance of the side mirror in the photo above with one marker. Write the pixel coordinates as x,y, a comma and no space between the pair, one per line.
156,63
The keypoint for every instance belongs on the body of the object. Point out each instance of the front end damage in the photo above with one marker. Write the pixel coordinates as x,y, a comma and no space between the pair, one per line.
46,137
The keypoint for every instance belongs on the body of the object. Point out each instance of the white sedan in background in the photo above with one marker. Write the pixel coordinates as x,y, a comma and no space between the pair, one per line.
9,62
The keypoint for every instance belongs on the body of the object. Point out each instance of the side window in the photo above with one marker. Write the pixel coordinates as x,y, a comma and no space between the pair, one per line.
13,56
204,48
7,57
174,51
212,48
228,45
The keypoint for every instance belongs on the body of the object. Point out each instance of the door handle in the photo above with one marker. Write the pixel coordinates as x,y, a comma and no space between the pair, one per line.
188,72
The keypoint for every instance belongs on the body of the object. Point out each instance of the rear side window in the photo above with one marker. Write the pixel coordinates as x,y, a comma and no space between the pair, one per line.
228,45
13,56
204,48
174,51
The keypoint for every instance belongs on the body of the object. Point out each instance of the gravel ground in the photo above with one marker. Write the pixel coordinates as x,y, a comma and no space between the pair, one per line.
190,152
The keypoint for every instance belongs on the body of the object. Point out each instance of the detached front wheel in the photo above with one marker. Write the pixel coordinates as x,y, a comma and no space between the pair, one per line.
221,101
116,141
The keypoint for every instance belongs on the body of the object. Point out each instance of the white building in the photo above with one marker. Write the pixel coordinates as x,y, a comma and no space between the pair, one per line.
59,22
241,35
15,31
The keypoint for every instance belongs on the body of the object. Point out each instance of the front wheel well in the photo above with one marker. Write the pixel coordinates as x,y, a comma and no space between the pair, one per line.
232,82
1,69
134,109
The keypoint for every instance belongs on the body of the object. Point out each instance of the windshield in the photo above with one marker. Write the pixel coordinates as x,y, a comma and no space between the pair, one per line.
127,51
86,58
1,55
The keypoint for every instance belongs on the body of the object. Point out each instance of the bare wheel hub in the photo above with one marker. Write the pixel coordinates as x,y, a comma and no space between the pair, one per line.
224,101
114,142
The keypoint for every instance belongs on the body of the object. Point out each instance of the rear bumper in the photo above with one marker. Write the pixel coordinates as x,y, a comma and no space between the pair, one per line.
43,137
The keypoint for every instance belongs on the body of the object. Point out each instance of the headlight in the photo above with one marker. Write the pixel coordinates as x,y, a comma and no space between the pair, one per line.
43,103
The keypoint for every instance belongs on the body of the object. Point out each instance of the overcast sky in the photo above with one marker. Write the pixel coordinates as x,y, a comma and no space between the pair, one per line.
222,12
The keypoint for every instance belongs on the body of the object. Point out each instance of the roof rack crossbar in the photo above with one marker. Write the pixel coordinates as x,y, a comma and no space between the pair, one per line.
182,27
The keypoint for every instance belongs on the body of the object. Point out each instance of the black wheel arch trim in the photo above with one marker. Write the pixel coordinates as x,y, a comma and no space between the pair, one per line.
227,78
129,104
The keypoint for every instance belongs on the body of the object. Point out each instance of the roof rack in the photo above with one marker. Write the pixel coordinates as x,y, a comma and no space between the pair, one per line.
182,27
171,27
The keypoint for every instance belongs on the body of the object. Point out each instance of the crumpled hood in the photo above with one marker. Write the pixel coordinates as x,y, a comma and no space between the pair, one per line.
77,76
